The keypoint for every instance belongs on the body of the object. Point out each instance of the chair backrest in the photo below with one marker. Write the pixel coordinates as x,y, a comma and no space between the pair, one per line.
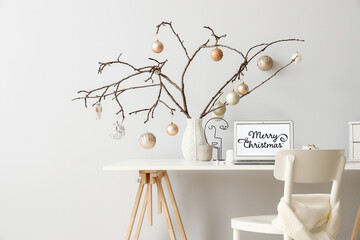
310,166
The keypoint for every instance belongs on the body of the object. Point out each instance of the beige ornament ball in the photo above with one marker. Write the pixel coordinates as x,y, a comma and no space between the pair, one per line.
172,129
147,140
220,109
214,115
296,57
265,63
157,47
232,98
243,88
216,54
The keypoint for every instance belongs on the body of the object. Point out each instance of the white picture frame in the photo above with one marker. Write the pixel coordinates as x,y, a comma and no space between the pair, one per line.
260,140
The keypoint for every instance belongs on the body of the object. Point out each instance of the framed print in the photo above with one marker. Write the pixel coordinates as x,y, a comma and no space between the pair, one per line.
260,140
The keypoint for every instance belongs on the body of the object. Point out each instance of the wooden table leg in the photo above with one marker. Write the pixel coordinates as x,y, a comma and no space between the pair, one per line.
159,198
142,213
134,211
356,225
166,211
149,213
173,201
154,177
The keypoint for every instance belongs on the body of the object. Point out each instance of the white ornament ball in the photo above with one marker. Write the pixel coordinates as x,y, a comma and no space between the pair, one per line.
220,109
232,98
265,63
172,129
157,47
296,57
147,140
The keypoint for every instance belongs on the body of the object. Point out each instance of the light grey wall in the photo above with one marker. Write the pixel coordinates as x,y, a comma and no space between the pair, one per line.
52,186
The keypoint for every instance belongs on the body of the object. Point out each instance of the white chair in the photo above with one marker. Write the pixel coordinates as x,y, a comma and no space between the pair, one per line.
301,166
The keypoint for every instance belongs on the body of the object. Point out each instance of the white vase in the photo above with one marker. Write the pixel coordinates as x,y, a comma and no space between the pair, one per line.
193,136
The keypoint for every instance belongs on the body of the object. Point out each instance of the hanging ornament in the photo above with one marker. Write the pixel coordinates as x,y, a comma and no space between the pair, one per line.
220,109
117,131
265,63
216,54
172,129
147,140
218,118
157,47
243,89
98,110
296,57
232,98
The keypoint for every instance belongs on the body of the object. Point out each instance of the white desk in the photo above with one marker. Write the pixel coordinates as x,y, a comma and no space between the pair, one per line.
152,171
181,164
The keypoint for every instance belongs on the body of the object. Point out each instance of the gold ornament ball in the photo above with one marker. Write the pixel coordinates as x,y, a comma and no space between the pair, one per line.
243,89
157,47
296,57
232,98
265,63
220,109
172,129
147,140
216,54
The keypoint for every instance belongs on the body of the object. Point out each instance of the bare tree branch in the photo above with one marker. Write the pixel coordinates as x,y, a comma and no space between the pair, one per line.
177,35
156,69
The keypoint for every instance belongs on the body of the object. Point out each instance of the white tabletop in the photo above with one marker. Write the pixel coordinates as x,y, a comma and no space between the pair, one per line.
181,164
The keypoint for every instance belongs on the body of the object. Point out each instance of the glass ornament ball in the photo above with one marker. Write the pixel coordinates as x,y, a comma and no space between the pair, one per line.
216,54
243,88
296,57
265,63
220,109
157,47
117,131
147,140
232,98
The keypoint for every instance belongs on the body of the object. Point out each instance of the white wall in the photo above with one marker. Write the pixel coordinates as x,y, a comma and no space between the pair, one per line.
52,186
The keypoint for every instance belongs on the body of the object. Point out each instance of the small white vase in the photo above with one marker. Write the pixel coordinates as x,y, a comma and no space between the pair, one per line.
193,136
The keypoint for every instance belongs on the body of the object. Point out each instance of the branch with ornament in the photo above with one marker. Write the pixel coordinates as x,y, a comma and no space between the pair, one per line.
155,77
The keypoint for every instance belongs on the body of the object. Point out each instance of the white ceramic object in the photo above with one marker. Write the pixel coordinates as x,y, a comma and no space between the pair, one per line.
204,152
193,136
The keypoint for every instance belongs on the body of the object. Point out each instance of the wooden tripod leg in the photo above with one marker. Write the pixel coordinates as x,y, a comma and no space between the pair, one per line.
142,213
166,210
173,201
134,210
149,212
159,198
356,225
